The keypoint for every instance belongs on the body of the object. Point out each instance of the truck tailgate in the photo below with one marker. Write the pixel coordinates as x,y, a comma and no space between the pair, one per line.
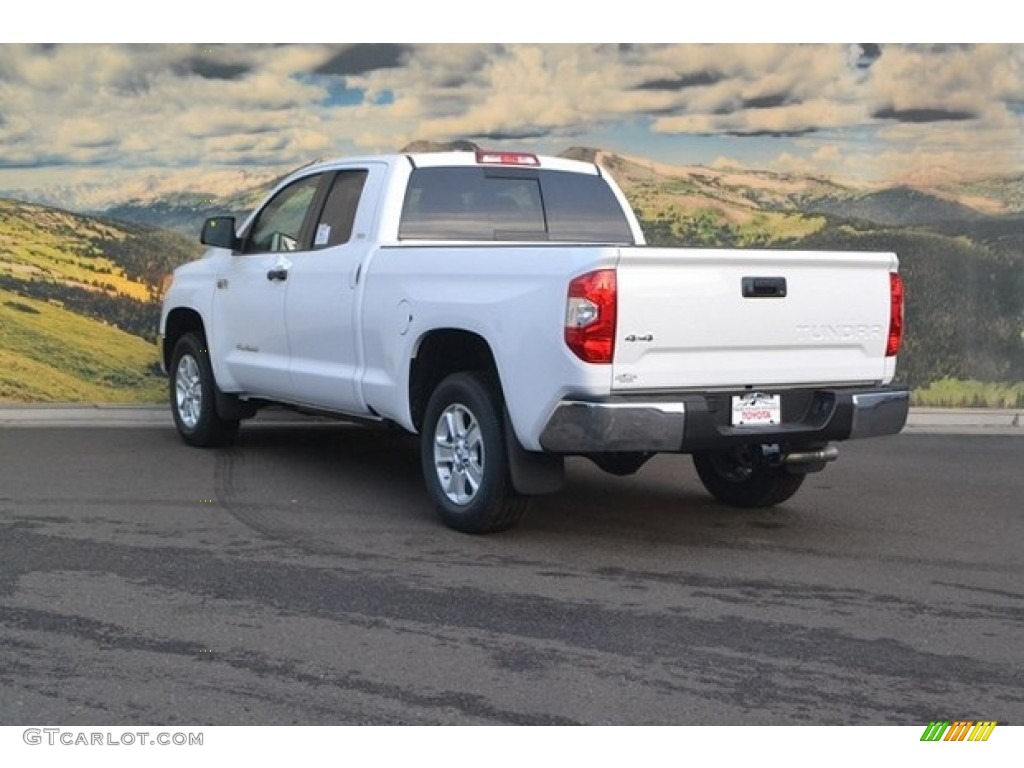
708,318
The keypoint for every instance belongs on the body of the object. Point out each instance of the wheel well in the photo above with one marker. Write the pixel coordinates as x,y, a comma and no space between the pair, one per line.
180,322
441,353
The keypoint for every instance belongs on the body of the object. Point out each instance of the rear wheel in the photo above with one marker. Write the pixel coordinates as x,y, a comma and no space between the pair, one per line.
463,455
193,396
740,478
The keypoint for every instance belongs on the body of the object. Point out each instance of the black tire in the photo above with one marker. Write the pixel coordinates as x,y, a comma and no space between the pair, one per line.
193,399
463,455
745,484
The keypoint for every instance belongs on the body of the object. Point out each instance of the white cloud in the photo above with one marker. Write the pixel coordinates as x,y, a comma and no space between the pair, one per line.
186,106
975,79
826,160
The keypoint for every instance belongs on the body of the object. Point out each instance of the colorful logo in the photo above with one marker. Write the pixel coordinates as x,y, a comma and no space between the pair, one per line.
959,730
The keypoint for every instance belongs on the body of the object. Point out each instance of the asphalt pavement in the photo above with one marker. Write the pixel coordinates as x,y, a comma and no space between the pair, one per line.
301,577
991,421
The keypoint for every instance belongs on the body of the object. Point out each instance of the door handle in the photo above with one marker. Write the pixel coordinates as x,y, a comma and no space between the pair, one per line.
764,287
277,273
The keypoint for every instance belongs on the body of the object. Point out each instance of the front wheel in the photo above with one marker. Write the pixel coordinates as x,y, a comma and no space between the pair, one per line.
465,463
740,479
193,396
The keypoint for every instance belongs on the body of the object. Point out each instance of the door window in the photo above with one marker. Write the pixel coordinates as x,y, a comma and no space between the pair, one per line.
278,227
335,224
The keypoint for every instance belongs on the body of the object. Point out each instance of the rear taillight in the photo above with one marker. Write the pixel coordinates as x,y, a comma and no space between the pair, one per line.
892,347
590,316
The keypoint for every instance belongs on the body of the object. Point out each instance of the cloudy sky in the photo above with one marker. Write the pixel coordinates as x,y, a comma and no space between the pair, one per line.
859,112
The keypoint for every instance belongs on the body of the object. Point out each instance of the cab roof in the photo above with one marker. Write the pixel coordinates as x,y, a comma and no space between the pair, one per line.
480,158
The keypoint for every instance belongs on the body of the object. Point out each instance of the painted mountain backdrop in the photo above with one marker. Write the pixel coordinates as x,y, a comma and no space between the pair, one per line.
79,291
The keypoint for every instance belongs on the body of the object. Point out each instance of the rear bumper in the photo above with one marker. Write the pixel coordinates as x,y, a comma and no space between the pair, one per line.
700,422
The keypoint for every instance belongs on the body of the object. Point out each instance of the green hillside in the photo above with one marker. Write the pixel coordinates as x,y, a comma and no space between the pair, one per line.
79,305
705,207
43,244
897,207
51,354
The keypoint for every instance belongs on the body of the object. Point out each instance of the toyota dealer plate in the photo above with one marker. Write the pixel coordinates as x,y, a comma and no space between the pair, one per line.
756,410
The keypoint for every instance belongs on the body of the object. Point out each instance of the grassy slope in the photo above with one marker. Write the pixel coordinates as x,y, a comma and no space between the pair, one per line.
48,354
697,219
703,207
67,349
46,243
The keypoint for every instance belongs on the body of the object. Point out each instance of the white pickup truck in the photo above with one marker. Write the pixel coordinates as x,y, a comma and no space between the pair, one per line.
504,307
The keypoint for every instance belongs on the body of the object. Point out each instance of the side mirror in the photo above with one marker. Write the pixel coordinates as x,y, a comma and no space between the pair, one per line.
220,233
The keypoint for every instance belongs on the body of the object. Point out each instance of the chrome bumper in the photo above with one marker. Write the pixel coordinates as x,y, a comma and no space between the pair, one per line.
879,413
585,427
701,422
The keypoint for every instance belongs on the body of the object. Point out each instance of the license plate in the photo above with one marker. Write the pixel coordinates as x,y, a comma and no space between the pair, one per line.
756,410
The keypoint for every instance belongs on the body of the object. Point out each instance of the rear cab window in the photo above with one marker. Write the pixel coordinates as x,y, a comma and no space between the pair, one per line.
481,203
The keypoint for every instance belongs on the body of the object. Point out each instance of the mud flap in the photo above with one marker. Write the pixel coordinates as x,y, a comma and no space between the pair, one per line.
232,408
533,473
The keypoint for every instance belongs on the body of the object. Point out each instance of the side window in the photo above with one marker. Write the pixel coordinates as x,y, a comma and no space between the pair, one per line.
278,227
582,208
339,213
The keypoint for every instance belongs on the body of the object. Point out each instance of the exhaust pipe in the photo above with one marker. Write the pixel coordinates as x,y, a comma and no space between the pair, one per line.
810,461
